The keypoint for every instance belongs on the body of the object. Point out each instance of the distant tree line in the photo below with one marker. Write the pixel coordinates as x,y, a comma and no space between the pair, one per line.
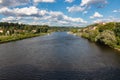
14,28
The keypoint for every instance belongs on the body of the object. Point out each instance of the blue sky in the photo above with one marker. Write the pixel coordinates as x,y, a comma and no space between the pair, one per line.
59,12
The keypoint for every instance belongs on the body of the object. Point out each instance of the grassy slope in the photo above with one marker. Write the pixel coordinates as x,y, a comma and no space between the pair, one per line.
4,39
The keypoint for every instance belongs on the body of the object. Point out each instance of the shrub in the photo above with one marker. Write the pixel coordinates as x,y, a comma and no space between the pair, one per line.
107,37
117,29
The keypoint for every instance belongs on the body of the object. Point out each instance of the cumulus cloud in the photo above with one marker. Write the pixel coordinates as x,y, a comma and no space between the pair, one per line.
10,19
26,11
46,1
86,4
69,1
12,3
59,16
91,2
75,9
96,15
36,14
107,20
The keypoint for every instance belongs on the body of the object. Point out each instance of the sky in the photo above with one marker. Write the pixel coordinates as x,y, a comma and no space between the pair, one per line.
59,12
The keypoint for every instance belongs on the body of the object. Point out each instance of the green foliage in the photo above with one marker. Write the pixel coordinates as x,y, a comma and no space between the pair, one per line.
91,35
107,37
17,37
74,30
117,29
38,30
15,28
85,35
108,34
15,31
118,41
96,24
107,26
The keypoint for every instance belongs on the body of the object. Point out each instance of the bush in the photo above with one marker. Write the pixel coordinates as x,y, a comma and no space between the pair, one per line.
91,35
107,37
117,29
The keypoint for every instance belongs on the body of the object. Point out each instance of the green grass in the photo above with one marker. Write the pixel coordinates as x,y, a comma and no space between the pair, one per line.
16,37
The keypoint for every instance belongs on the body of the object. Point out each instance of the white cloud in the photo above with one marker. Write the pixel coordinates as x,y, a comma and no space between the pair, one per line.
0,1
59,16
10,19
12,3
96,15
90,2
75,9
79,20
109,19
35,14
26,11
103,20
86,4
116,11
69,1
5,11
46,1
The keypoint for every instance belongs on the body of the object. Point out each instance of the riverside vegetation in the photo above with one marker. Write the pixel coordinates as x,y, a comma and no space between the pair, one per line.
103,33
15,31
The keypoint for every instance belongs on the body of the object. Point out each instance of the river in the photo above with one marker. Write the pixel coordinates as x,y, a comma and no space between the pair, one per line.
58,56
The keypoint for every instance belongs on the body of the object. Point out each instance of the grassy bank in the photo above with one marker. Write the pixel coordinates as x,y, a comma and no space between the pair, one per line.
15,31
15,37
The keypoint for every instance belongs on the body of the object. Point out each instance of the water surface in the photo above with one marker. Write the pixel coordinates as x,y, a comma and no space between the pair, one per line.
58,56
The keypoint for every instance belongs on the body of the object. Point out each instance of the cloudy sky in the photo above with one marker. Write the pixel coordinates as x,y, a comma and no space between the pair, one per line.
59,12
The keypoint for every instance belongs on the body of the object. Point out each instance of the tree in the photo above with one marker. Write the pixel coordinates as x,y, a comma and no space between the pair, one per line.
117,29
107,37
107,26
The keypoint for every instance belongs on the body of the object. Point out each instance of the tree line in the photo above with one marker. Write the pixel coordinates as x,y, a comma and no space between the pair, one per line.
15,28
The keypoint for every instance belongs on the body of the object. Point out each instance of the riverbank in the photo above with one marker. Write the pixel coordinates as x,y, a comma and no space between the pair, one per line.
106,34
16,37
81,35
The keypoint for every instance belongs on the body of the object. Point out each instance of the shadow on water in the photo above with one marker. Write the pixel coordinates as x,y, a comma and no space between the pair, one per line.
29,72
103,47
107,49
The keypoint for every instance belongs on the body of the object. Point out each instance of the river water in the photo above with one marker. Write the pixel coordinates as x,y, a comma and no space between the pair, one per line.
58,56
